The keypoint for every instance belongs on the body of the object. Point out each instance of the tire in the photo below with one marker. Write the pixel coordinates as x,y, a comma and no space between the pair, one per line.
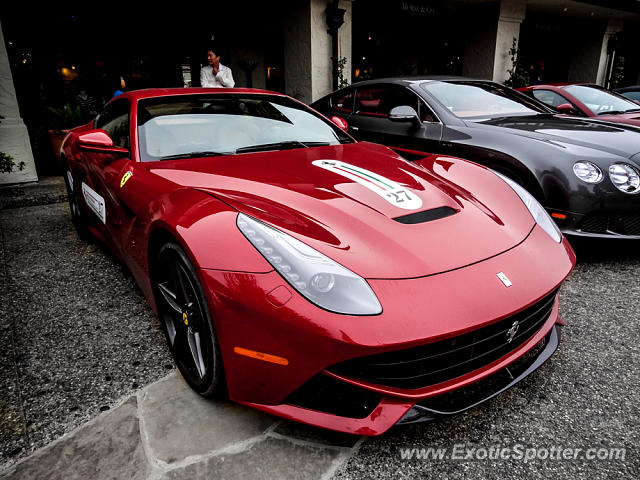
187,322
77,215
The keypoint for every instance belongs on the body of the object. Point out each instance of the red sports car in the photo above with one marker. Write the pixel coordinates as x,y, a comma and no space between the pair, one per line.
586,101
311,276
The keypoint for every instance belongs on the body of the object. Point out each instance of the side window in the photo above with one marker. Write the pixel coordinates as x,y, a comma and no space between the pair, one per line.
343,102
115,121
549,98
379,100
425,113
368,100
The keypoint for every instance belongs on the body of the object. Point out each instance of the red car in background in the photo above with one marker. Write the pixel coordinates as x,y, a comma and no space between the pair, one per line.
312,276
586,100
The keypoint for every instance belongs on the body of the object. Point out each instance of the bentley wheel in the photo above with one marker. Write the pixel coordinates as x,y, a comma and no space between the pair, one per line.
187,321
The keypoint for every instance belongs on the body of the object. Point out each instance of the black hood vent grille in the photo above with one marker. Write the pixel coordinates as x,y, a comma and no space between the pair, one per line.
426,215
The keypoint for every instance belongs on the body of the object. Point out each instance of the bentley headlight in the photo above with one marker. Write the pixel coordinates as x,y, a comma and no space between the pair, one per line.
625,177
588,172
538,212
322,281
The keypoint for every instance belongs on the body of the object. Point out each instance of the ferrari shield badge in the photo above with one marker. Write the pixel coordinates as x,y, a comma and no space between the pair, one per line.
125,177
391,191
504,279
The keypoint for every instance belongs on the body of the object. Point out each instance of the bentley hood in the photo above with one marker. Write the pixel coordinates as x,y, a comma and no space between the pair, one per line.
621,140
367,208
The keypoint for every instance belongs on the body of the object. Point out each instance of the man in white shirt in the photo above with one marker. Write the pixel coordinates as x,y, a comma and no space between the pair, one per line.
215,74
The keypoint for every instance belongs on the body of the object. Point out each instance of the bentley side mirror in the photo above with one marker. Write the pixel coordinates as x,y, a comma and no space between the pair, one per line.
404,113
341,123
100,142
567,109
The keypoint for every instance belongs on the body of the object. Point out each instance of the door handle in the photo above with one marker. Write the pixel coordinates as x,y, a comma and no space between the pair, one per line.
354,128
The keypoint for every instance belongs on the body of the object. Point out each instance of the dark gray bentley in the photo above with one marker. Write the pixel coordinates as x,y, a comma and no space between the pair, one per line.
585,172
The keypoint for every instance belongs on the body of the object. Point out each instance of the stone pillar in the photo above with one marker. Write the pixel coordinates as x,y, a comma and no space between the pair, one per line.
512,14
14,138
307,49
614,26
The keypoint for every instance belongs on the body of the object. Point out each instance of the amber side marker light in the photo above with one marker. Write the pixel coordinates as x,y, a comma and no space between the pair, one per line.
561,216
261,356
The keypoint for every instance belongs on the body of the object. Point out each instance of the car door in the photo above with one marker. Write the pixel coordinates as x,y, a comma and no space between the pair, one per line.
370,120
106,170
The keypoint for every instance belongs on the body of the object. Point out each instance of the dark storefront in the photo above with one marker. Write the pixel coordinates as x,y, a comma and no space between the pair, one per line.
396,37
75,57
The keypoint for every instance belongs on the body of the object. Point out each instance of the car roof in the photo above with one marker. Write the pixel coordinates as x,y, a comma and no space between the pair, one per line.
169,92
420,79
630,88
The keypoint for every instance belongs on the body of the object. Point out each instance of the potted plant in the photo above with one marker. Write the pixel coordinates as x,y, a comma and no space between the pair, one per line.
61,121
7,162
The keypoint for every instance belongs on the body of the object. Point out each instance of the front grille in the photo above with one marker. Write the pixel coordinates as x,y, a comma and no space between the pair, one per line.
444,360
619,223
330,395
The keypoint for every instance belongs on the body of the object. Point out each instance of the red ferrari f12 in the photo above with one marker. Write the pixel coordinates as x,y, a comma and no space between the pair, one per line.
311,276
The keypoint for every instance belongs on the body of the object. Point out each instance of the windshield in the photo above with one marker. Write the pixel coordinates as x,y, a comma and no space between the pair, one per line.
479,100
601,102
207,125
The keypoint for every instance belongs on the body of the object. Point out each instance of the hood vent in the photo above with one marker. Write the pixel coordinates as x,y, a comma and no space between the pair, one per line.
426,215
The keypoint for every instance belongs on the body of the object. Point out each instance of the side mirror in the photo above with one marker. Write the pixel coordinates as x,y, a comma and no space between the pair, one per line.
341,123
404,113
100,142
567,109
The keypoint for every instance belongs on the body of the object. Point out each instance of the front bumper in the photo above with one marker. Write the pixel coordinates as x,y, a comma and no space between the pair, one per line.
602,223
257,312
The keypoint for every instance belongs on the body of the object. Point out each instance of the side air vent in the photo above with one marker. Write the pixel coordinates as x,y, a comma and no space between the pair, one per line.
426,215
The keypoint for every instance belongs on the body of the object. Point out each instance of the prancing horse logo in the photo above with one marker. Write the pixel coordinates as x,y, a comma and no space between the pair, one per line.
512,331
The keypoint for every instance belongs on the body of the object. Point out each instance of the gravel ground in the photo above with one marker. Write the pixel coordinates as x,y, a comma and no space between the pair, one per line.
77,334
587,396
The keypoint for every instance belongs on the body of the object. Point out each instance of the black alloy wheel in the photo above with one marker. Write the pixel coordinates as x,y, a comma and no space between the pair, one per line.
187,322
77,216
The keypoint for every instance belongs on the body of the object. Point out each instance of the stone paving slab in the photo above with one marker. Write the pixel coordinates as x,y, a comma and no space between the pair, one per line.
108,448
272,458
179,423
166,431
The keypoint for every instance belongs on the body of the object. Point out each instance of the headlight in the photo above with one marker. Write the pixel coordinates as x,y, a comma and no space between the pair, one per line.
588,172
322,281
625,177
538,212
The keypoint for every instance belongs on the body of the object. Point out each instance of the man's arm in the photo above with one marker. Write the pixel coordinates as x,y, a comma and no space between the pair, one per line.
225,77
203,79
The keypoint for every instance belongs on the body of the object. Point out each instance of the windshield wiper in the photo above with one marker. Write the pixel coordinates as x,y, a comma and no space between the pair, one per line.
281,146
616,112
206,153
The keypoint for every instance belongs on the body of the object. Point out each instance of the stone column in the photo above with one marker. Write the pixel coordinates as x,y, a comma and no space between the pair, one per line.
307,49
614,26
512,14
14,138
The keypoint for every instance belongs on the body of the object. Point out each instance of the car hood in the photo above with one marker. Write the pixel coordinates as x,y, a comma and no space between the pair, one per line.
597,134
627,118
345,201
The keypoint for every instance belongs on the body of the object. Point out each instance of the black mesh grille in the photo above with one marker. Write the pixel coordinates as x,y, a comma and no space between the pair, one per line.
438,362
330,395
620,223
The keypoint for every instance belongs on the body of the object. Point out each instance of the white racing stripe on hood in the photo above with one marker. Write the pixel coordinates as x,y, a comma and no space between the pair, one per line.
391,191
